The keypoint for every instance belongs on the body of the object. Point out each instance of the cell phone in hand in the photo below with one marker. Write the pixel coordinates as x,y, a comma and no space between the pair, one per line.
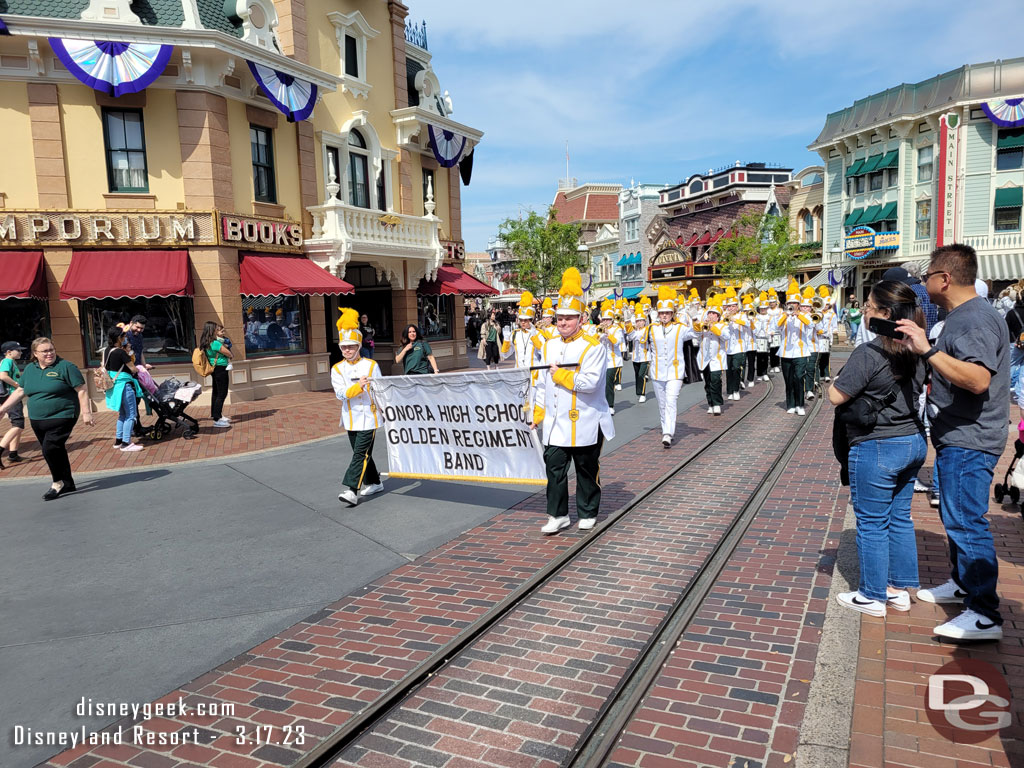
884,327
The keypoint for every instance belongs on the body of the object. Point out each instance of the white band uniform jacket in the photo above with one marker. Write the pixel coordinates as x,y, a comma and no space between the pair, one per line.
358,411
641,352
711,353
828,326
667,355
732,337
796,335
762,328
571,403
527,352
774,333
612,339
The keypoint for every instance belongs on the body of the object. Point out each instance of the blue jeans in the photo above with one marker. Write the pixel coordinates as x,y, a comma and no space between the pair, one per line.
126,415
882,476
966,476
1016,361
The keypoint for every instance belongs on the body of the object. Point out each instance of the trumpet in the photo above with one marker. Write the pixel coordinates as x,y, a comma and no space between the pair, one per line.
816,317
751,313
818,303
698,326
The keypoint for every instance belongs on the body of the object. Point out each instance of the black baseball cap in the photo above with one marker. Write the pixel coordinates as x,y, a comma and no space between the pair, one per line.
10,346
900,275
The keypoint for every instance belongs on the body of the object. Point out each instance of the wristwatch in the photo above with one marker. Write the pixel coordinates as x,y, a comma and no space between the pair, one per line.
929,353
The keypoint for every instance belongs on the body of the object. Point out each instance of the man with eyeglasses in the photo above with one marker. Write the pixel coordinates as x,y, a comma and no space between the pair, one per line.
969,411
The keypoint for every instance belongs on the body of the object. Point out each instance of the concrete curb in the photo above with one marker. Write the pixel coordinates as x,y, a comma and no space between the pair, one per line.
825,733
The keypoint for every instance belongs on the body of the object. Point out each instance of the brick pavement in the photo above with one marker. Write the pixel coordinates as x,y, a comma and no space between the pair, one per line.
898,653
734,690
525,692
320,672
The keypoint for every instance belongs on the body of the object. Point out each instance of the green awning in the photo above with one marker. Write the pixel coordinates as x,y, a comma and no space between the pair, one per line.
888,212
854,169
852,217
1012,197
870,215
889,160
1012,138
871,164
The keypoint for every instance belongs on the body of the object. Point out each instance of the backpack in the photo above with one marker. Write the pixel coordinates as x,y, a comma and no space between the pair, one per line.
101,380
201,362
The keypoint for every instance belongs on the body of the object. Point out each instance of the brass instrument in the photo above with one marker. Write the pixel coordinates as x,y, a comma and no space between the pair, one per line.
816,317
712,292
790,310
751,313
818,303
698,326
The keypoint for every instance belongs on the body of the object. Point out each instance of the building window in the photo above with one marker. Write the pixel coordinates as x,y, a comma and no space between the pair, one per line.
22,320
262,143
923,220
428,183
351,57
924,164
858,185
894,176
875,181
436,316
274,325
125,142
697,186
358,170
170,328
1007,219
808,228
382,196
632,229
1009,152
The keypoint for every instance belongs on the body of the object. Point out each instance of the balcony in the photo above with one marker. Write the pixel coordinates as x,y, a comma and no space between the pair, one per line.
997,241
411,125
385,240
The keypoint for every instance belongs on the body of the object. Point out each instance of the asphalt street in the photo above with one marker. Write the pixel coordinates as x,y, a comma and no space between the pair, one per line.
146,580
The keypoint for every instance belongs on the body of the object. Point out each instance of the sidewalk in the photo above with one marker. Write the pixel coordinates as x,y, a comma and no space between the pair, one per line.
259,425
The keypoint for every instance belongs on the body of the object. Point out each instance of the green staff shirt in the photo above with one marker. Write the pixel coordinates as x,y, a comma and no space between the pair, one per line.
51,391
415,359
214,356
8,366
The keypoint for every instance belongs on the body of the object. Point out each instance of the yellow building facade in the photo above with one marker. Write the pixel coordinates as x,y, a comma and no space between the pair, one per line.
257,167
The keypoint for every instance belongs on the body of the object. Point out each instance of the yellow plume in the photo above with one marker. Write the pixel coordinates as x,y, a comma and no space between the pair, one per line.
572,283
808,292
666,294
526,300
546,304
763,298
349,320
823,291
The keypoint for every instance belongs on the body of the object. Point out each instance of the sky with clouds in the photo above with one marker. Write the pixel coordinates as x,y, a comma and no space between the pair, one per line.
655,90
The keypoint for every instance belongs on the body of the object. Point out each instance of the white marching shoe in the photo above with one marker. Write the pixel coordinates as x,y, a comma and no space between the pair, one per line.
611,411
586,523
555,524
791,410
349,497
765,377
369,490
711,409
718,410
642,399
800,411
618,387
666,440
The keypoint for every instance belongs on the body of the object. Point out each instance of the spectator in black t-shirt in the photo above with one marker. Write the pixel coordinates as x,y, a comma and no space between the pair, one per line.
124,395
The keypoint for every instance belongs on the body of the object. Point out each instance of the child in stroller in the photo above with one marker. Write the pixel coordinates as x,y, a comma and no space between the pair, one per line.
169,401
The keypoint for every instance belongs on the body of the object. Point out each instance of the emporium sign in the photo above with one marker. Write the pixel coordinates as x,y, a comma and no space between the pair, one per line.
19,229
861,242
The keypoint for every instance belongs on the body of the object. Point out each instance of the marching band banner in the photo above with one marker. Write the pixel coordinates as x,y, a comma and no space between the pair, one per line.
460,426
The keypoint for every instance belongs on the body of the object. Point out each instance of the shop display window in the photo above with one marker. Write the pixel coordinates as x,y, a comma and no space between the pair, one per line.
275,325
170,326
22,320
435,316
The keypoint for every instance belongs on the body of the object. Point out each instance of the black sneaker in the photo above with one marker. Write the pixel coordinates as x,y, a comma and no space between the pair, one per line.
14,458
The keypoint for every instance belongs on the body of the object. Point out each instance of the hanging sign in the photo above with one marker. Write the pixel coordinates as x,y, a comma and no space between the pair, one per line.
861,242
460,426
102,230
949,138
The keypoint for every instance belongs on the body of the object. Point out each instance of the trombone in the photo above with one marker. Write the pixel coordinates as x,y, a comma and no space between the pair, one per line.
816,317
751,313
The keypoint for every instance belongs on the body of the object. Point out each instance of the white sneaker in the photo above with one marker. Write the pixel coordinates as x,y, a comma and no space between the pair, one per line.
765,377
743,384
666,440
809,396
718,410
970,625
791,410
948,593
919,487
369,490
642,399
828,378
711,409
618,387
800,411
611,411
555,524
349,496
586,523
222,423
131,448
900,601
858,602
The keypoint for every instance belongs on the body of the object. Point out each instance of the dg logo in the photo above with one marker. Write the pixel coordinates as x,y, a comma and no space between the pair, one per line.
574,415
967,700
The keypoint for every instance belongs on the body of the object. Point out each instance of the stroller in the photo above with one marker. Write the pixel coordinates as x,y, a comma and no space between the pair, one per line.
1013,482
169,401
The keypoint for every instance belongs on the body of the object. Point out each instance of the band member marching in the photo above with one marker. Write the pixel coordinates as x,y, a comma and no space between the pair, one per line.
546,324
526,340
810,336
573,410
711,353
350,379
829,328
774,336
665,340
762,333
693,311
732,339
794,352
641,352
611,335
747,335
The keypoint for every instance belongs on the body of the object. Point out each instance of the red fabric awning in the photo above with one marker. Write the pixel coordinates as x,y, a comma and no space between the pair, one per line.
263,275
452,281
718,235
690,241
22,275
704,239
127,275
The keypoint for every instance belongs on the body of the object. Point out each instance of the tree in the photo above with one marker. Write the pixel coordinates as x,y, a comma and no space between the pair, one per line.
543,250
760,251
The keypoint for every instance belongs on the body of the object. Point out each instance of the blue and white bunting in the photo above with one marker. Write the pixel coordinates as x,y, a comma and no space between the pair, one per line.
293,96
112,67
447,146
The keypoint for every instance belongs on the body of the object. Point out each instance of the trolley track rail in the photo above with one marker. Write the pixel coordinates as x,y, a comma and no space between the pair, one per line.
332,747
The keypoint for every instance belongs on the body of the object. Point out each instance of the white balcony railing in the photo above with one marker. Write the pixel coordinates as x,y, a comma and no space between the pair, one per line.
997,241
343,232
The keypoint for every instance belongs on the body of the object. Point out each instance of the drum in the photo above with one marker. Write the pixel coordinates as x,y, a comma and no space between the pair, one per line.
762,345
